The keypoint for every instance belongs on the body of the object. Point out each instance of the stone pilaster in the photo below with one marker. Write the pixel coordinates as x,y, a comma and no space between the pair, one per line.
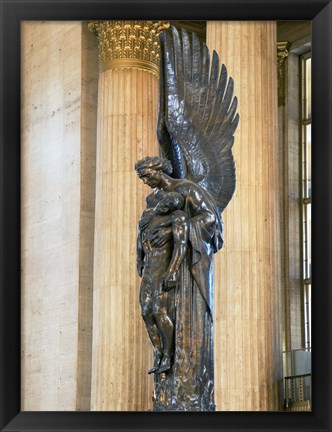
59,120
282,54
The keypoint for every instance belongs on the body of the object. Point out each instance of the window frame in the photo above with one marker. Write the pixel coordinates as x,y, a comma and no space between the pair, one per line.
306,198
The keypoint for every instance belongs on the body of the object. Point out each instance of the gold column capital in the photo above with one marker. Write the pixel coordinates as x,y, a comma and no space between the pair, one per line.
129,44
282,54
282,51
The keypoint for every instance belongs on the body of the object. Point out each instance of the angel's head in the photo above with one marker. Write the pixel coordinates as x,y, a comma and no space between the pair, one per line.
151,169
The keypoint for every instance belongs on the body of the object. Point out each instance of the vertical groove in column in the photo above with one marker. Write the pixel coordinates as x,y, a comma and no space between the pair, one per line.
122,353
246,270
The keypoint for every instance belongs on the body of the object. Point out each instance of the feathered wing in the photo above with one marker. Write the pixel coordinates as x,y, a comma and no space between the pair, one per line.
197,115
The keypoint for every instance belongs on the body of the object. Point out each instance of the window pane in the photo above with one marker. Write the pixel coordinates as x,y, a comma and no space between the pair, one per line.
307,315
308,88
308,161
307,241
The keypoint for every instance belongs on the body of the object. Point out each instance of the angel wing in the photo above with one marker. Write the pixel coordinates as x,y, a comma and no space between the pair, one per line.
196,120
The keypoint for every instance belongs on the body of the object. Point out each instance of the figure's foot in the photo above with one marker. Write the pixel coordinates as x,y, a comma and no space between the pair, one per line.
157,359
165,364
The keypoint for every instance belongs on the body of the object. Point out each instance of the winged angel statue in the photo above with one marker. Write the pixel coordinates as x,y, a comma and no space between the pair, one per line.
181,228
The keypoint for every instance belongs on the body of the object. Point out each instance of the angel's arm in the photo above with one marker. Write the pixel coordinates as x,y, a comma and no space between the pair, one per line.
204,215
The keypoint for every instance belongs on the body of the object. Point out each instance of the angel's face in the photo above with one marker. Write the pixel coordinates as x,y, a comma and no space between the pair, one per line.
151,177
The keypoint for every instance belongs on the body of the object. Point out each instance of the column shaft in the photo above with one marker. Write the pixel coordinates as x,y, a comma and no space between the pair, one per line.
247,271
127,111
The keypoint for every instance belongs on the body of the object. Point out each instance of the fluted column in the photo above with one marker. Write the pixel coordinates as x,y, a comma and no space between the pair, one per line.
127,110
247,270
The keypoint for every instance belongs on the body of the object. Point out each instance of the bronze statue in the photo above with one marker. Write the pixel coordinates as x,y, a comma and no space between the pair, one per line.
196,122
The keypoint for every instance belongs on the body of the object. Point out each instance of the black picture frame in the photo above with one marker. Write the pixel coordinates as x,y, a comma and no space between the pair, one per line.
11,13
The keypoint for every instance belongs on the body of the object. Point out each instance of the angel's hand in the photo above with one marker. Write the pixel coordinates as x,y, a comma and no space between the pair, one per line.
145,221
160,236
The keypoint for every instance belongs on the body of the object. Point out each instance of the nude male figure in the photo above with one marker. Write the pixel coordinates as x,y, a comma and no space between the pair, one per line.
158,267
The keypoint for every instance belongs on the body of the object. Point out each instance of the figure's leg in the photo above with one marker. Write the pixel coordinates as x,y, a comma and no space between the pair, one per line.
150,323
166,330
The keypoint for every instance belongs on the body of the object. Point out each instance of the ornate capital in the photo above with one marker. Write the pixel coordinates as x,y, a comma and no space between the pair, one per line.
282,54
129,44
